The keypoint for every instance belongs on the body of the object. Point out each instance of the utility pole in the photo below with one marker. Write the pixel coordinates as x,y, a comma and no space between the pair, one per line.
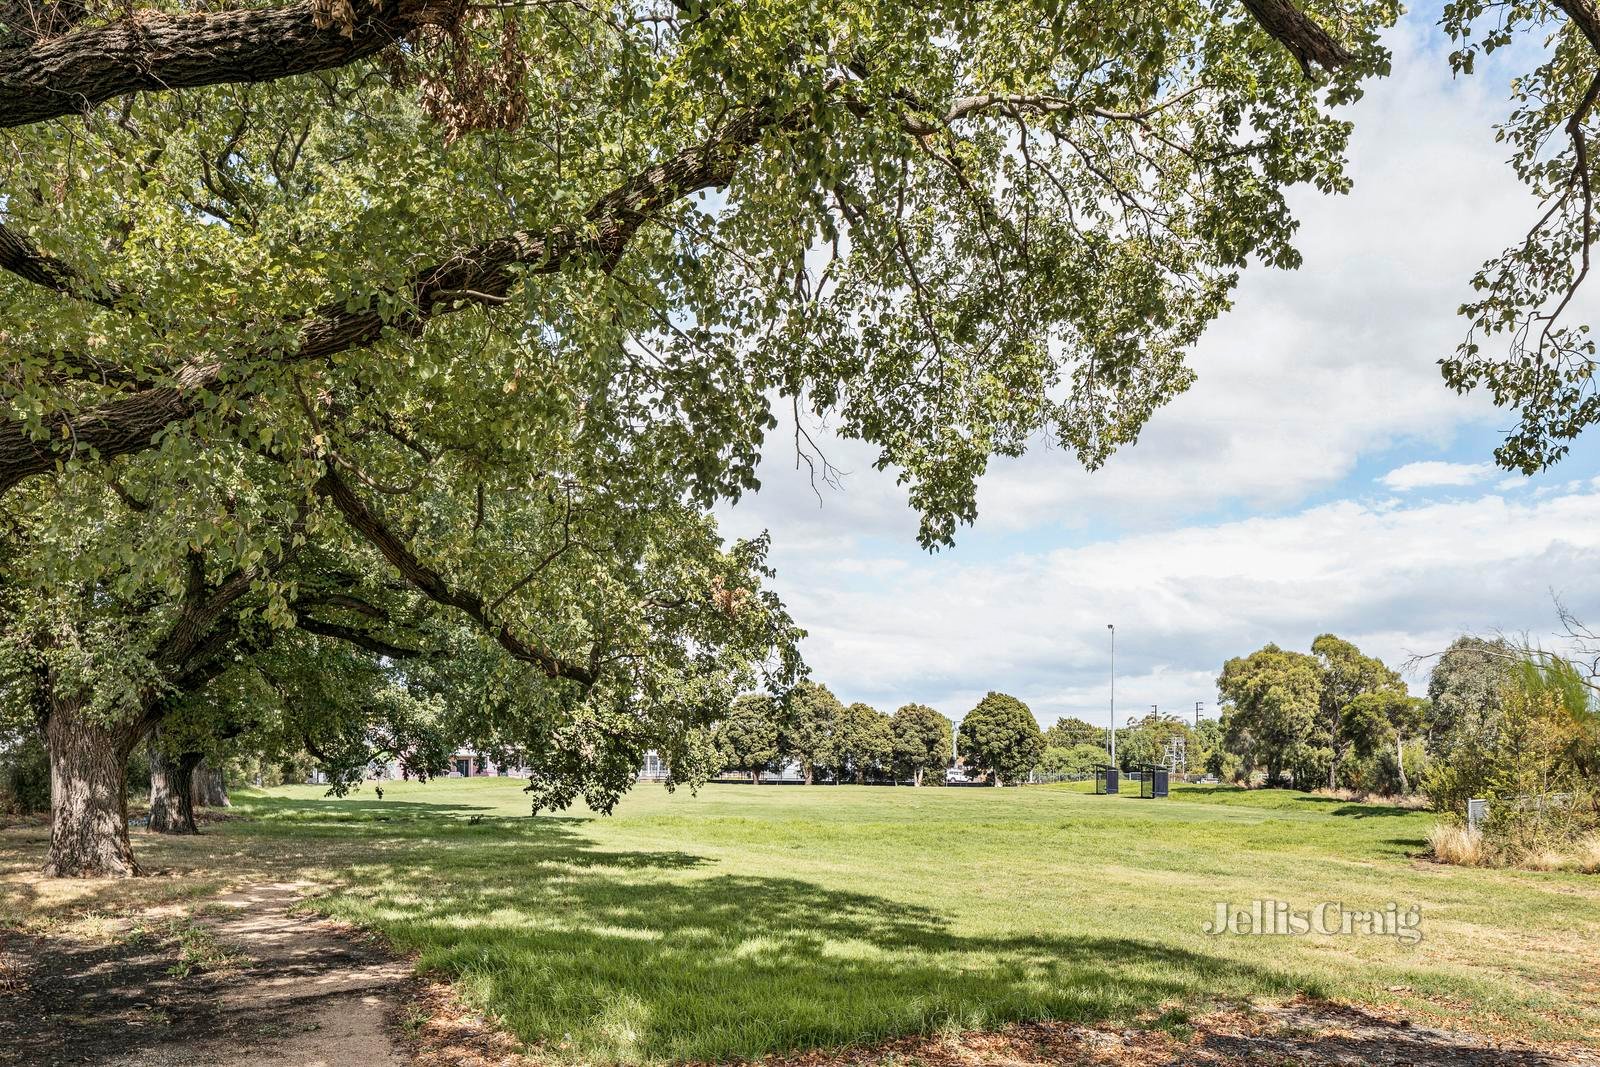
1113,630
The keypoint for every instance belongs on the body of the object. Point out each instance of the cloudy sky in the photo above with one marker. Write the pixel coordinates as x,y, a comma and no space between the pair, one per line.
1318,477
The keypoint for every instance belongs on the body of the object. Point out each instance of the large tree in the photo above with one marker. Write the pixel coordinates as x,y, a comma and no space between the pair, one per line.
863,743
1345,675
499,313
1270,702
923,741
809,731
1467,689
1001,737
747,736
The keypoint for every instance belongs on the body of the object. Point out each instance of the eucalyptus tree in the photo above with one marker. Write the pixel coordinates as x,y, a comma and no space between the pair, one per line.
501,310
1346,674
1270,703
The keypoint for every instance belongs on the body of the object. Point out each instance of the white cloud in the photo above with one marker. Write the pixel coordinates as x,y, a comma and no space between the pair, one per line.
1239,518
1310,370
1398,581
1431,473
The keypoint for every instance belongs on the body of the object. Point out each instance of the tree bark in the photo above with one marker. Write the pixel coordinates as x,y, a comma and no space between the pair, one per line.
916,777
207,787
1308,42
170,809
154,51
88,794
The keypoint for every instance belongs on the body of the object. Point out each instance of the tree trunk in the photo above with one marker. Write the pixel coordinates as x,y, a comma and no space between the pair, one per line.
88,795
1400,763
171,811
810,774
207,787
916,777
755,777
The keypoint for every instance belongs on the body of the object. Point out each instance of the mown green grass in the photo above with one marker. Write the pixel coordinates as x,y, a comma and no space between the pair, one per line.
749,920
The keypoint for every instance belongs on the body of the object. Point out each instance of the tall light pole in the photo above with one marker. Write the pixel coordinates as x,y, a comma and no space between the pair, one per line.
1113,630
1198,704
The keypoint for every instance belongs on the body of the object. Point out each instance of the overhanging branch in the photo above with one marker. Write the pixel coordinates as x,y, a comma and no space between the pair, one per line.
154,51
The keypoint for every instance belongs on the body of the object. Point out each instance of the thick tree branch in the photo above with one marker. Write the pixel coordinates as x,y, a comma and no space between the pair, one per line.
69,74
1309,43
359,638
21,257
1586,16
489,269
436,586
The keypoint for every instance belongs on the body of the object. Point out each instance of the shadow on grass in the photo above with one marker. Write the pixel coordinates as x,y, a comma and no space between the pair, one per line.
1371,811
621,955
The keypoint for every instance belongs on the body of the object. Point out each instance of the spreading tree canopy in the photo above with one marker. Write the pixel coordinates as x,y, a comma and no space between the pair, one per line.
492,302
1270,704
809,732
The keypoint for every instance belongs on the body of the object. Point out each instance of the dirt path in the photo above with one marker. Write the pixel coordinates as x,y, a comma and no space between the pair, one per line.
291,992
316,996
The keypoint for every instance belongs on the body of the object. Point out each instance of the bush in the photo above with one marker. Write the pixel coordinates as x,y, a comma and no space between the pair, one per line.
24,777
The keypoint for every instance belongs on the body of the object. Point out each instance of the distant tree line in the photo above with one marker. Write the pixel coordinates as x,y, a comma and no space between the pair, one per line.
999,740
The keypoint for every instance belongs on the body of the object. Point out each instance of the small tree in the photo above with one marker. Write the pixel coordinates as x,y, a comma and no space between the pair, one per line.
1378,720
922,740
810,723
1001,736
748,738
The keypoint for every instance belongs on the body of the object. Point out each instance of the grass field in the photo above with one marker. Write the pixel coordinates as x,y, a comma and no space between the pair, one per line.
757,919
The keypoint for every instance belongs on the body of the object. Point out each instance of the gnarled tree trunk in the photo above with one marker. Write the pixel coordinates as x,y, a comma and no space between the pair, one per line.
88,794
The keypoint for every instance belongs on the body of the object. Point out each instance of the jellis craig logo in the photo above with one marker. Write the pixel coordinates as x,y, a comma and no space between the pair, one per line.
1274,918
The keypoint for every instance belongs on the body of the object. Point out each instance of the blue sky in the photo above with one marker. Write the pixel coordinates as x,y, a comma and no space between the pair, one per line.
1318,477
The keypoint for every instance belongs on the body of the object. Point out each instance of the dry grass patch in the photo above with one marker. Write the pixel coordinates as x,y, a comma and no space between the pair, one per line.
1450,843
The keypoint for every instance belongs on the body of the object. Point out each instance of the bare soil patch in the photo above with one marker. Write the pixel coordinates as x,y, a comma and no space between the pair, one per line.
282,991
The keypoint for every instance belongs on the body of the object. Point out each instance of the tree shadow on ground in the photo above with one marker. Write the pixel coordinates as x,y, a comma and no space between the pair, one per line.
1372,811
610,956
